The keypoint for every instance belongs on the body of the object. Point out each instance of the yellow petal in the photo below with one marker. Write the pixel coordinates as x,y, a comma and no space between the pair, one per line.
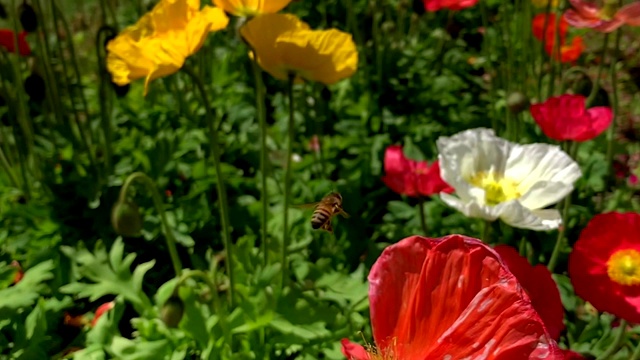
251,7
159,43
283,45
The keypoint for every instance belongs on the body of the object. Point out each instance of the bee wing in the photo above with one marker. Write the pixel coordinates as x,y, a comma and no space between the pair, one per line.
306,206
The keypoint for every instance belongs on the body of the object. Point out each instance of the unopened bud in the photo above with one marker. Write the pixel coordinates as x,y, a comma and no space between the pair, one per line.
35,87
517,102
126,219
28,17
172,311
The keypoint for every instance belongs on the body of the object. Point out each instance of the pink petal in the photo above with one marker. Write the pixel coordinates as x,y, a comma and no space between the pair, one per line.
585,9
394,160
630,14
395,182
353,351
430,182
452,298
600,117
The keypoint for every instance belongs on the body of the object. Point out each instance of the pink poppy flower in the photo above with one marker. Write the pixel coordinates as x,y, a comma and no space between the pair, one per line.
410,177
565,117
539,285
455,5
604,19
449,298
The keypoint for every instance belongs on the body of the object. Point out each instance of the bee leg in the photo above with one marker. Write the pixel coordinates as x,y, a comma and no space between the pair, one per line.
327,227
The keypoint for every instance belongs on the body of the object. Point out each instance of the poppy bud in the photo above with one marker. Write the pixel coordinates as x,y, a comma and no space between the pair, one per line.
3,12
172,311
28,18
634,74
517,102
325,93
101,310
121,91
35,87
126,219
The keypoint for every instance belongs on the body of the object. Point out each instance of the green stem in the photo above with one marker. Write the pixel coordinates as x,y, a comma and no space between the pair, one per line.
636,353
105,122
287,182
617,341
566,204
486,231
7,168
423,219
614,84
596,83
262,120
157,202
223,204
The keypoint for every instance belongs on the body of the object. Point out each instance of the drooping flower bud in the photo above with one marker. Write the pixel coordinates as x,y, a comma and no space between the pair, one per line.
28,17
517,102
35,87
126,219
172,311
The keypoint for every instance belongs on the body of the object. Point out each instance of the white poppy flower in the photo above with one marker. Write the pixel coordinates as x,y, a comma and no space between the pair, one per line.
494,178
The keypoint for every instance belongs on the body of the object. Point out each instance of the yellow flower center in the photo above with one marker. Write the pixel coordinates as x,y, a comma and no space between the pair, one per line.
623,267
608,10
496,189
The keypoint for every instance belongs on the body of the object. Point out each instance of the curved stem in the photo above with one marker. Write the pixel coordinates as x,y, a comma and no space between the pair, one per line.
423,219
260,109
223,205
617,341
636,353
596,83
157,202
553,260
287,182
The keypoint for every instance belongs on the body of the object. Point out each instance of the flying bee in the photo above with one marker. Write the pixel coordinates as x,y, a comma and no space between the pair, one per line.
325,210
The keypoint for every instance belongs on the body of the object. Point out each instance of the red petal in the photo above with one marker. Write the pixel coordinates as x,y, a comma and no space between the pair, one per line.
539,285
604,235
353,351
101,310
431,182
572,355
452,296
7,41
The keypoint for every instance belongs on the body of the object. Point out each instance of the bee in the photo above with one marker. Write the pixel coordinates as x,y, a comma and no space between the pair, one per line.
325,210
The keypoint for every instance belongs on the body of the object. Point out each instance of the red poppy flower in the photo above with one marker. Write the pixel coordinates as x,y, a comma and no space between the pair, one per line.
450,298
7,41
539,285
538,28
101,310
455,5
568,53
586,14
565,117
604,265
410,177
19,272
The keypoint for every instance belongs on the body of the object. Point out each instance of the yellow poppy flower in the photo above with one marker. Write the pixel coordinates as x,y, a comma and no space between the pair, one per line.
251,7
159,43
285,45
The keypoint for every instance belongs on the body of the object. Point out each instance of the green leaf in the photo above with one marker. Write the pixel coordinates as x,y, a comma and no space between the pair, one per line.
111,275
25,292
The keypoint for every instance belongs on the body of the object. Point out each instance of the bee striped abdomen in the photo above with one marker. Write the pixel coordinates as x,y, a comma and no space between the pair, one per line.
319,218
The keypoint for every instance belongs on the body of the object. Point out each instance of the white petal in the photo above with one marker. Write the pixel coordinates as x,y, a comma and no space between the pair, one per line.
471,208
518,216
469,152
529,164
545,193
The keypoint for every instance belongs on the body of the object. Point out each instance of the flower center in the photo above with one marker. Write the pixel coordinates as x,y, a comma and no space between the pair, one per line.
623,267
608,10
496,189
